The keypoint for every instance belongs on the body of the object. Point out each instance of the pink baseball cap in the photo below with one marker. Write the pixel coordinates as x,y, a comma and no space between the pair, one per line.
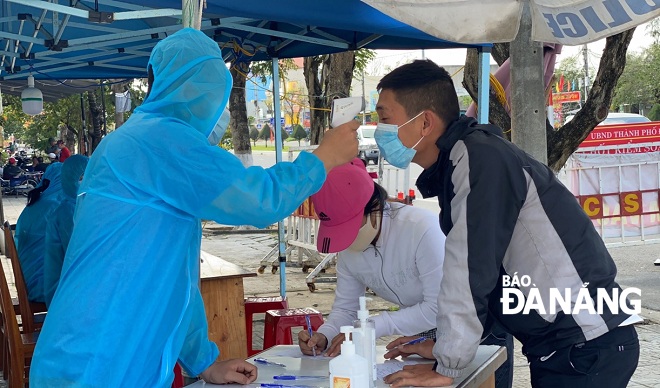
340,205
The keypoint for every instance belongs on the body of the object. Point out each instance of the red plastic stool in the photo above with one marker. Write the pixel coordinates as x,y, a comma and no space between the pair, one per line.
178,377
277,330
257,305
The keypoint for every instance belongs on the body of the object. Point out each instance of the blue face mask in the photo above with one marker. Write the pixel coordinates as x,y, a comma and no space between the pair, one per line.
390,146
220,128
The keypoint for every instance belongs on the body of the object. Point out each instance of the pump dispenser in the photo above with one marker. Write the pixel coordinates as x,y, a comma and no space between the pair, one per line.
364,335
348,370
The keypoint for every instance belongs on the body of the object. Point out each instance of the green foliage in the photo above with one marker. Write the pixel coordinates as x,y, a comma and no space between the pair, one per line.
572,68
654,114
226,142
299,133
264,69
465,101
362,59
35,130
640,81
265,133
285,134
254,134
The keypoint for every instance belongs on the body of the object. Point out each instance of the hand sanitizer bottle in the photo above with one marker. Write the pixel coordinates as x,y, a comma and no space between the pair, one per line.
364,335
348,370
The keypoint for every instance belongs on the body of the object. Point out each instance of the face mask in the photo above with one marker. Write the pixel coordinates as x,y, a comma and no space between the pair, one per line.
366,235
220,128
390,146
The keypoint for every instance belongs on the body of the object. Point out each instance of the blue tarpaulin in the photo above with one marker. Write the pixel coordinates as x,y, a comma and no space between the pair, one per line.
75,44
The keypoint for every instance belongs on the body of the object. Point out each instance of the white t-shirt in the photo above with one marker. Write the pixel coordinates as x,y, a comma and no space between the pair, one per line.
405,267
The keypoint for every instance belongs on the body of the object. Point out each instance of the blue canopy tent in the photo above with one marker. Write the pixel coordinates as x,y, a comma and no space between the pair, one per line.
62,45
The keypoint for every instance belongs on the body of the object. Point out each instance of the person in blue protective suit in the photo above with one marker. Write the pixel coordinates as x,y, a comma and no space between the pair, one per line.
30,230
128,305
60,223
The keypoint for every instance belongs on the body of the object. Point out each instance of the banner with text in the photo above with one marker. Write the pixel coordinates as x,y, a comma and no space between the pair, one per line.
619,192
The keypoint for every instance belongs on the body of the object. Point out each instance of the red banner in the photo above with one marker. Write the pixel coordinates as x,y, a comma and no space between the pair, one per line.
560,98
625,134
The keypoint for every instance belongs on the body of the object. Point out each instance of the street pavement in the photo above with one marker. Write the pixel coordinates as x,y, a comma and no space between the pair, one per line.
248,248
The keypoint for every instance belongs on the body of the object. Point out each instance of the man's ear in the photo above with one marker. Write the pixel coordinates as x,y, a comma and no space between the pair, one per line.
431,121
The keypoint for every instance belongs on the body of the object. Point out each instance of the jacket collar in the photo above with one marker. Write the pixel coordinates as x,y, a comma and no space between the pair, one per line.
429,182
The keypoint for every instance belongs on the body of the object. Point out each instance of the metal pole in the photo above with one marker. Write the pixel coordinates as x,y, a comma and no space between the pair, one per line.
527,91
585,55
483,87
191,14
83,132
364,113
278,158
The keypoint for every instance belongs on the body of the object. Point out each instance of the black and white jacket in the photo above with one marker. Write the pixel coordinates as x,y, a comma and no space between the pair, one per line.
505,213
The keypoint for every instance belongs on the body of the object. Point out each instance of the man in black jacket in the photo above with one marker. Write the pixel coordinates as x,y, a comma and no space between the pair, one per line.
507,218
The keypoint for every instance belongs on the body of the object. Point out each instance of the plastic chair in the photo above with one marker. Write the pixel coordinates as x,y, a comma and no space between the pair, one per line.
32,313
27,309
20,345
277,329
257,305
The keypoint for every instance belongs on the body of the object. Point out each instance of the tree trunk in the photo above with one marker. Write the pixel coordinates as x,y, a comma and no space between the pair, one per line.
314,90
335,79
564,141
96,113
496,113
240,130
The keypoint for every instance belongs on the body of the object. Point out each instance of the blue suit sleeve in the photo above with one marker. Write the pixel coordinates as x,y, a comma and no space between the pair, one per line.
198,352
210,183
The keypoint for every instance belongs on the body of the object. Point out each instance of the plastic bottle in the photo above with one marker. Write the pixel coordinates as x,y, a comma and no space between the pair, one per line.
364,335
348,370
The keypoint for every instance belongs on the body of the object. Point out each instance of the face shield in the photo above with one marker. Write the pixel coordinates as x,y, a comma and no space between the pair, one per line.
220,128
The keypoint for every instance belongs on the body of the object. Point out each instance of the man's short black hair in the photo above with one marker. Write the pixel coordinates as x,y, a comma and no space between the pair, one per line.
422,85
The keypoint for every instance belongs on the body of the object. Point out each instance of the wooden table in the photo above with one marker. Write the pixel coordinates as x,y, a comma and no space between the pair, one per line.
479,374
222,292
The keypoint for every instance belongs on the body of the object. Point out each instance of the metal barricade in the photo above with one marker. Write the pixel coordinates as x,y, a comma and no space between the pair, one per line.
619,190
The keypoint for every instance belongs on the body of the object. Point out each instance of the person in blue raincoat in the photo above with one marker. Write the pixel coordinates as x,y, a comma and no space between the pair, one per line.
60,223
128,306
30,230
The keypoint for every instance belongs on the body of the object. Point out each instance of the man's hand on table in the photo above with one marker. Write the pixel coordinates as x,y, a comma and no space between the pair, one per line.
318,342
420,375
233,371
396,348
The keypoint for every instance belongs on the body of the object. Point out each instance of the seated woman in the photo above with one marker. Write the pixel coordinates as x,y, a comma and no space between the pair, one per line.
395,250
60,224
30,230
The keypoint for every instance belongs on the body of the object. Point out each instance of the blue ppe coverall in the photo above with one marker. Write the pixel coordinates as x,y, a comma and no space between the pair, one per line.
60,223
31,233
128,305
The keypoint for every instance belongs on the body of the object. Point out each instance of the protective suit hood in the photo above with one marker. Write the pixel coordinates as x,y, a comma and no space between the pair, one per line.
54,174
72,169
191,81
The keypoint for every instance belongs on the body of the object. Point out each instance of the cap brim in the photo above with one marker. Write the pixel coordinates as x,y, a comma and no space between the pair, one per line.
336,238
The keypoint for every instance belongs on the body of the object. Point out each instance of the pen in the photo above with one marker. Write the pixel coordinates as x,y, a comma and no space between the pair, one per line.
292,377
415,341
266,362
309,330
285,386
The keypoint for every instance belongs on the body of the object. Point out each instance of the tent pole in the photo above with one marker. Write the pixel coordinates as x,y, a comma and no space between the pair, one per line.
483,85
278,159
528,92
191,13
